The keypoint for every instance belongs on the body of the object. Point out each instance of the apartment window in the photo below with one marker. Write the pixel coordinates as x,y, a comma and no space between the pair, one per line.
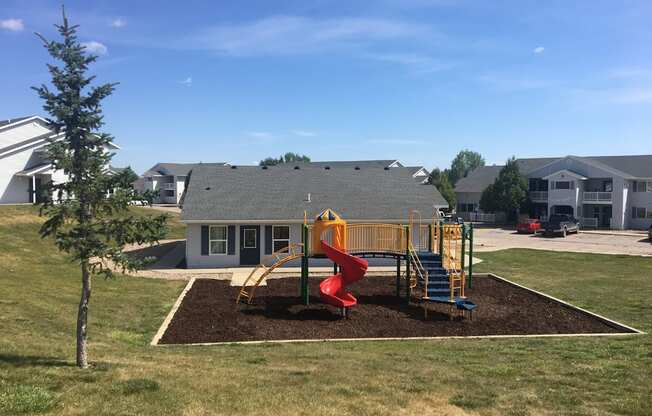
562,185
280,237
217,239
465,207
640,212
642,186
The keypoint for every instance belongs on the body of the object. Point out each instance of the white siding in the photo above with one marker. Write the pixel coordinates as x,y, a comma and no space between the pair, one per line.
17,134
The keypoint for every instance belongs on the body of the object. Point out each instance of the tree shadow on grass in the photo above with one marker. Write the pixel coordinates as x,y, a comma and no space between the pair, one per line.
33,361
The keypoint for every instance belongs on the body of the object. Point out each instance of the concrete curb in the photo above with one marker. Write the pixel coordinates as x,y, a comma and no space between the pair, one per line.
173,311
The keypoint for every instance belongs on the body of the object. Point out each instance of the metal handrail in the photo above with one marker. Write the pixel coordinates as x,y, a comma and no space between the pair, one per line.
423,273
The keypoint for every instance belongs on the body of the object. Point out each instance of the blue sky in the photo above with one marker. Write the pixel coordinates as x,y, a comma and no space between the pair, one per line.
415,80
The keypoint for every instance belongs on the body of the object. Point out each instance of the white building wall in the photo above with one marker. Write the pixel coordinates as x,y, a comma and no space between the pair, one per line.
195,260
639,200
14,189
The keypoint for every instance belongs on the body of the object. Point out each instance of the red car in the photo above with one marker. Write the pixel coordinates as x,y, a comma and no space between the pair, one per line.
529,226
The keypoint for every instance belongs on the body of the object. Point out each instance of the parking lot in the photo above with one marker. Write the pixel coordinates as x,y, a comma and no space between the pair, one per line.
492,239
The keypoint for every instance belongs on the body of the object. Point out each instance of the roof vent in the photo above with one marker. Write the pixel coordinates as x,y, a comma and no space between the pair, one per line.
297,168
264,168
307,198
327,167
357,168
234,167
386,168
208,188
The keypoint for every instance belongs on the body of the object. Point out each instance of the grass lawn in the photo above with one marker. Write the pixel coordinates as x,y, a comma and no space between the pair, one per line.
40,290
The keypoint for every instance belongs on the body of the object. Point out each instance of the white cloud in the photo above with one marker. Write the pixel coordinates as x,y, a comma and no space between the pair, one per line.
396,141
539,49
304,133
261,135
118,23
95,47
295,34
187,82
14,25
417,63
513,84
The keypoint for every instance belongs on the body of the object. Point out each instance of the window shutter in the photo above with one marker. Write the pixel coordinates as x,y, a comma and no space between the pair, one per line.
268,239
204,240
231,238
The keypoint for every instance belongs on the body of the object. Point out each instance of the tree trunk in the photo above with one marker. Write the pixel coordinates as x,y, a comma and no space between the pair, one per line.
82,317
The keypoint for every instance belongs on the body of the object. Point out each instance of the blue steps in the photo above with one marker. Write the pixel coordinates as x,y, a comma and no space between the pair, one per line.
438,287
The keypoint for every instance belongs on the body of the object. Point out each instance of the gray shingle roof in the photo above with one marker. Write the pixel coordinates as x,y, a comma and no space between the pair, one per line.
638,166
478,179
172,169
353,163
12,120
251,193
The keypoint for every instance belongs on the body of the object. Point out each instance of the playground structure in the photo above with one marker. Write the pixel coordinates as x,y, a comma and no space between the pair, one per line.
432,255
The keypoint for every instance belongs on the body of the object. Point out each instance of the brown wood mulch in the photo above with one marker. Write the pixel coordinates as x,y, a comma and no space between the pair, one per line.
208,313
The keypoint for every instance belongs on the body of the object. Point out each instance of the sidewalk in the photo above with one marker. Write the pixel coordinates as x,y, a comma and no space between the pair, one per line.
629,233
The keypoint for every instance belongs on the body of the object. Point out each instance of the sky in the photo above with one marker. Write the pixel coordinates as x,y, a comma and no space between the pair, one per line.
413,80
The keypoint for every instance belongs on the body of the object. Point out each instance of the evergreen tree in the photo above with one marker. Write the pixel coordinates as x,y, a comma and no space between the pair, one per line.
88,214
508,193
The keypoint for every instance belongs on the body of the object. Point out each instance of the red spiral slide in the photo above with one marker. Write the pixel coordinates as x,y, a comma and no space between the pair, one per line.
332,289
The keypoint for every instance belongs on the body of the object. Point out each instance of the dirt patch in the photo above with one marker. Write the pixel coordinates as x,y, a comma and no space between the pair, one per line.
208,313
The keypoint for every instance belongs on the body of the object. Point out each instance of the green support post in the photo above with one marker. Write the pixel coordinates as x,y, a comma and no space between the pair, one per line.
463,246
398,277
441,239
408,289
305,288
470,256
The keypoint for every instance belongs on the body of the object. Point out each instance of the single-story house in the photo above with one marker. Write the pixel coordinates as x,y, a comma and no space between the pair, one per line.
24,167
235,215
602,191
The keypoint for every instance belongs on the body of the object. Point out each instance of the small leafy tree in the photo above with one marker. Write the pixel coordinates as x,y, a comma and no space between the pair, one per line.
440,180
289,157
465,161
88,214
508,193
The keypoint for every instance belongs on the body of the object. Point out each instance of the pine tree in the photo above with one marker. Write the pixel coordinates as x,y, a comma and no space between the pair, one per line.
440,180
88,214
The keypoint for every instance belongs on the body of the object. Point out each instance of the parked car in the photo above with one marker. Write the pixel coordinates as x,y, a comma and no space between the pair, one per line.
561,224
529,226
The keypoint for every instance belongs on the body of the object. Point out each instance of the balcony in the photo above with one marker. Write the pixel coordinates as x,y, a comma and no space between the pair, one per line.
599,197
539,196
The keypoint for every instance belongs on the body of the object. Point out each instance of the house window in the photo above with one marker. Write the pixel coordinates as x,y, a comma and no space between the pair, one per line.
640,212
562,185
217,239
280,237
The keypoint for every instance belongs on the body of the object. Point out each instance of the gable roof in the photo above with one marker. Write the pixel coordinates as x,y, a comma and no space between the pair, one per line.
637,166
381,163
173,169
478,179
13,120
280,193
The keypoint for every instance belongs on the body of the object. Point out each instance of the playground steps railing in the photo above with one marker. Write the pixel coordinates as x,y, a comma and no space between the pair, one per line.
420,272
277,259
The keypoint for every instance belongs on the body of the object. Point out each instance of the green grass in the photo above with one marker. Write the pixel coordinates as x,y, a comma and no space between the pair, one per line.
40,289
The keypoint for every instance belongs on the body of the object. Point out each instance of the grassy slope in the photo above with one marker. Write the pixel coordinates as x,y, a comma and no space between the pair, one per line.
551,376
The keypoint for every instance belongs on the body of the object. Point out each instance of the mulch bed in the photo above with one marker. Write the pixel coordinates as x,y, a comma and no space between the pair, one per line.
208,313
